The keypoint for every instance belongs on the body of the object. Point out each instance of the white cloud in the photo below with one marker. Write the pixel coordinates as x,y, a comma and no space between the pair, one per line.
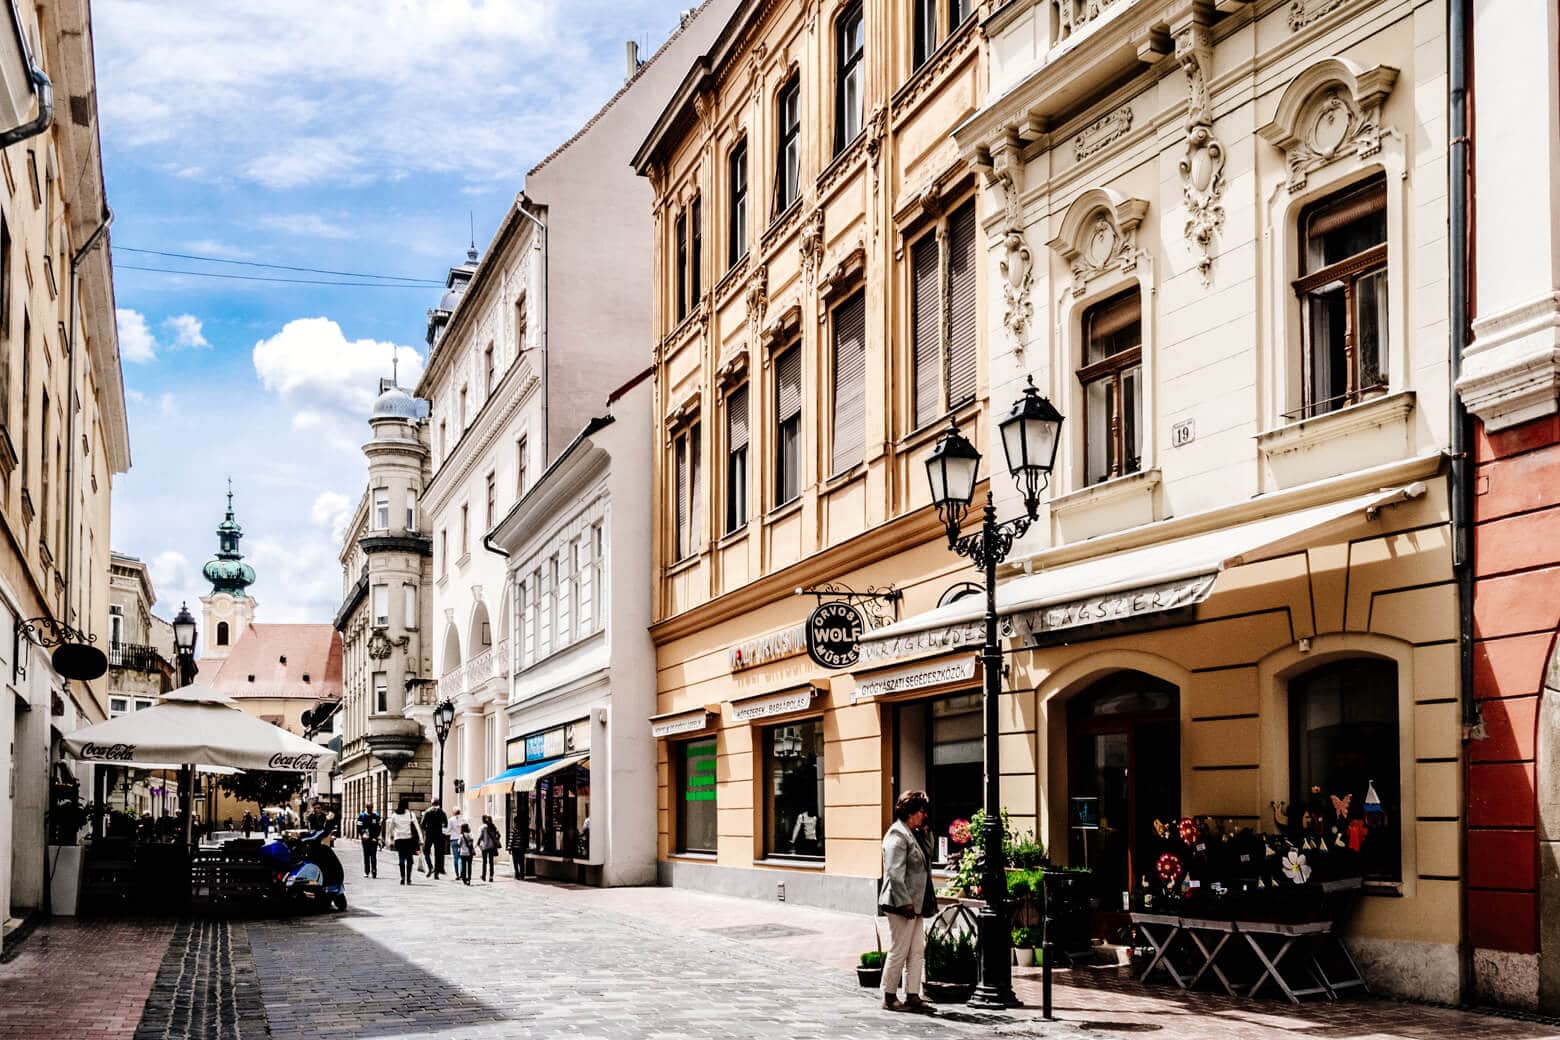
331,511
186,331
215,247
329,381
309,225
136,342
135,395
167,405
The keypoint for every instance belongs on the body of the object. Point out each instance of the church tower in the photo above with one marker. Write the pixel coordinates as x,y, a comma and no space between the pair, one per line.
229,609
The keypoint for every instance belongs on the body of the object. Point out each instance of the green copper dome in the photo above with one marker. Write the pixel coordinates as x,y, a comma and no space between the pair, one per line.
228,572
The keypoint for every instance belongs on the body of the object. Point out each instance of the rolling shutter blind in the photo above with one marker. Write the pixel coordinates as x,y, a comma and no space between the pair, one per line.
681,548
925,340
961,305
850,375
737,420
788,386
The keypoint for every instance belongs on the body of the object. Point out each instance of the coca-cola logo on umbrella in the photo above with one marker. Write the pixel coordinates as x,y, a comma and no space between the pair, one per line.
301,762
109,752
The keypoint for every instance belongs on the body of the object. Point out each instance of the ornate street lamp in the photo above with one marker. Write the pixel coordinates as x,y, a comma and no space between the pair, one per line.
184,643
1030,433
443,719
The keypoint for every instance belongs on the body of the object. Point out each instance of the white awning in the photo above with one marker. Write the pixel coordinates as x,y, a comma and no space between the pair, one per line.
1150,580
528,781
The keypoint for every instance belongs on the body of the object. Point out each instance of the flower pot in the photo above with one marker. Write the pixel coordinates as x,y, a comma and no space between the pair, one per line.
947,992
869,978
1025,955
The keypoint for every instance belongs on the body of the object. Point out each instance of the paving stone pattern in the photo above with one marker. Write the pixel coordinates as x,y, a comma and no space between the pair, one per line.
81,979
206,987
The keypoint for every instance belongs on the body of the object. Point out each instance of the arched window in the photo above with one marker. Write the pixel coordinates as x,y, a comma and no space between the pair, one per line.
222,633
1344,764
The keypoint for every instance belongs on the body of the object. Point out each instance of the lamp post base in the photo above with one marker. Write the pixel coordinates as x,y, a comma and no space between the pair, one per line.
994,984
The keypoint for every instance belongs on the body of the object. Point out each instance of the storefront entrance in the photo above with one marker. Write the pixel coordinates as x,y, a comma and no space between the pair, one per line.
1124,772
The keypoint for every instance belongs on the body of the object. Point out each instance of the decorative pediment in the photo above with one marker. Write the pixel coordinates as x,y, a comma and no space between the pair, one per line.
842,274
786,324
732,367
1330,110
1099,234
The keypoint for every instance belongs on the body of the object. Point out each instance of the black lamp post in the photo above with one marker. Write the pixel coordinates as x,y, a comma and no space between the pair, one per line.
1030,434
184,644
443,719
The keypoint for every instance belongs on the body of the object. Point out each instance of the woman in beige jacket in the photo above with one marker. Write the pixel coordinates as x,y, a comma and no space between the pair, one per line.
905,897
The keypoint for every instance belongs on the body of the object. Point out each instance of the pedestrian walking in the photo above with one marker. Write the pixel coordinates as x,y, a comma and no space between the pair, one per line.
905,897
402,833
467,852
434,823
487,843
452,832
369,826
519,839
249,823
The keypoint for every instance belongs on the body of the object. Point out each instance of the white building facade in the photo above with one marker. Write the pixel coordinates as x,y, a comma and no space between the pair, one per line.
580,760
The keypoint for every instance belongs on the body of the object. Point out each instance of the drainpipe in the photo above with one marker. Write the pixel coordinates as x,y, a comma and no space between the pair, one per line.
42,89
70,405
546,318
1459,173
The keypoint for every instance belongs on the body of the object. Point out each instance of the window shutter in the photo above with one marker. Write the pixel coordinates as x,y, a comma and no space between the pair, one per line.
850,374
681,548
788,398
925,341
961,305
695,514
737,420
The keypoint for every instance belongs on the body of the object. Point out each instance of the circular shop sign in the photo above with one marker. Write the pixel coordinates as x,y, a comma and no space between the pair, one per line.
834,635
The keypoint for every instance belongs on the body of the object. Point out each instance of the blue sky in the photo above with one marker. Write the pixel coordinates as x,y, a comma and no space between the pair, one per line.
353,135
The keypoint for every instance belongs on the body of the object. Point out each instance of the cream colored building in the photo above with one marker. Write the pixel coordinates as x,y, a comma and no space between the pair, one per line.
1217,243
818,299
140,644
63,432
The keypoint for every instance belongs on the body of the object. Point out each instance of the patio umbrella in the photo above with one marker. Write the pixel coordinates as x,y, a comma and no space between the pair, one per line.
194,724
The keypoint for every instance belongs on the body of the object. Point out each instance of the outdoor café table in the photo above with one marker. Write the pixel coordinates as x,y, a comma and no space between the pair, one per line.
1299,976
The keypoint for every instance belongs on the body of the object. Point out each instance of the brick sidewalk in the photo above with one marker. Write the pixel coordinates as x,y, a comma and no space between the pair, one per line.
81,979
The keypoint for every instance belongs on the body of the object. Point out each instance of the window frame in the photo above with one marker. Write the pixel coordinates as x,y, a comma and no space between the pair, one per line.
939,231
680,231
685,496
379,606
739,462
788,145
695,251
837,465
923,32
846,65
737,220
767,759
680,765
382,509
1111,368
779,488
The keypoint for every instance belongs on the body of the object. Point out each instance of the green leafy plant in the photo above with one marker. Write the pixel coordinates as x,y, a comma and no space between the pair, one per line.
263,787
1028,938
1019,850
1024,851
873,959
951,957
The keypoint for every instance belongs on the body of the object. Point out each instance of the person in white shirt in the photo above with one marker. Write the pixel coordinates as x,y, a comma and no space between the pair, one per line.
401,832
452,832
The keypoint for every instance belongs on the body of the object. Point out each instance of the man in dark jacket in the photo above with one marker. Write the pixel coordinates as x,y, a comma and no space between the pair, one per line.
433,824
369,826
519,837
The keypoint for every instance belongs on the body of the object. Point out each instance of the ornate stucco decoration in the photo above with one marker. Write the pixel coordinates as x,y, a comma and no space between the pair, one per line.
1099,234
844,272
786,323
1100,133
1202,165
1303,12
380,645
810,243
682,412
1016,266
1331,109
877,130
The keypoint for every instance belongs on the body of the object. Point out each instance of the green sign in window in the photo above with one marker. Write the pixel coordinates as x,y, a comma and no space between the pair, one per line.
695,769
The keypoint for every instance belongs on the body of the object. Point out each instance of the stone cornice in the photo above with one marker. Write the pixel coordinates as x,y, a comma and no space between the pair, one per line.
1511,370
415,542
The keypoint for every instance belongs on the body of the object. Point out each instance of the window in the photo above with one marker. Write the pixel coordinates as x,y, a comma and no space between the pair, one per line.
563,578
848,80
492,498
788,425
464,394
793,789
381,694
694,762
685,449
598,563
222,633
682,265
788,151
945,377
381,509
5,322
924,14
26,396
116,628
545,643
465,531
409,605
487,372
381,606
695,250
1343,296
849,432
444,551
118,705
520,326
527,622
1343,720
43,456
584,585
736,459
411,510
938,750
958,12
1112,377
737,235
444,439
522,467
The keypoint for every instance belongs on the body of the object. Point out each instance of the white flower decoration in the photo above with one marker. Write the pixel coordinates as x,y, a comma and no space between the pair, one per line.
1295,867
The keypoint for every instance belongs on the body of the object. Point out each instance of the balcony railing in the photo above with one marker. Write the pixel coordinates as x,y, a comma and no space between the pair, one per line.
490,663
137,657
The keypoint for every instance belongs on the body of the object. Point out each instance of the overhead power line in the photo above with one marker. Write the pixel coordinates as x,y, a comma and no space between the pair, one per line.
277,267
264,278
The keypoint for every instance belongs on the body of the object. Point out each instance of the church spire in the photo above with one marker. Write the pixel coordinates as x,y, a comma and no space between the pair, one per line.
227,572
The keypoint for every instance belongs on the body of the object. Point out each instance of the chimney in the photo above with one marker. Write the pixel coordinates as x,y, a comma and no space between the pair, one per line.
632,46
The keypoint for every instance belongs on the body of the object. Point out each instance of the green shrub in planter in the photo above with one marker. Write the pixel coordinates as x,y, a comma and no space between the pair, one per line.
951,958
873,959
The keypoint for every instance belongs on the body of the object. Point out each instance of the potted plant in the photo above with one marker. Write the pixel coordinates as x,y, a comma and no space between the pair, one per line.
870,971
951,966
67,816
1026,940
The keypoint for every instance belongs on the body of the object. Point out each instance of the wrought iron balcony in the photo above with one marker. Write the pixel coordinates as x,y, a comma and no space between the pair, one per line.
137,657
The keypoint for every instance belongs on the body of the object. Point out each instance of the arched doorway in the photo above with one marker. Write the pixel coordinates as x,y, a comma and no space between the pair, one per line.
1124,772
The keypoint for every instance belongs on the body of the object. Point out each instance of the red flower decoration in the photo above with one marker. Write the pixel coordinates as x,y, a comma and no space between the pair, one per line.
959,832
1186,829
1169,867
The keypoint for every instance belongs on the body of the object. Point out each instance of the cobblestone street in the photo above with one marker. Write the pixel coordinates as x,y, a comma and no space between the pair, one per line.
538,961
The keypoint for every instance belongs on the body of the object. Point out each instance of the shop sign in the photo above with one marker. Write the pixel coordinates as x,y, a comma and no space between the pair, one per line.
920,677
688,722
1083,814
577,737
774,704
771,646
535,747
834,634
553,743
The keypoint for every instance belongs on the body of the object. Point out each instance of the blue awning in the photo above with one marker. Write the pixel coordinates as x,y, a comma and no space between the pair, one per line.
510,775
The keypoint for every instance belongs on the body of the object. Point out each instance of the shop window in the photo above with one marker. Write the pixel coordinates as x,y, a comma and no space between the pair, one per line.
1343,296
737,229
939,750
694,762
736,459
849,432
788,426
685,449
944,339
788,149
560,814
1112,378
1344,758
849,76
793,789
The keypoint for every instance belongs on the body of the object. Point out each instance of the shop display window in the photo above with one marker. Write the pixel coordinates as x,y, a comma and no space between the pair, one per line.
793,789
560,814
694,762
939,750
1344,766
